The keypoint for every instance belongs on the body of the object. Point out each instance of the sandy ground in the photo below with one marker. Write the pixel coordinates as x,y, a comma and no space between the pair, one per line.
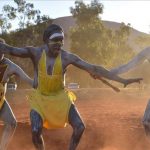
113,121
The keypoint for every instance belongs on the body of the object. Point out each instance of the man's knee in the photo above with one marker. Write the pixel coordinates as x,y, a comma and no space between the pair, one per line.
14,123
80,128
146,122
11,124
146,125
37,139
36,136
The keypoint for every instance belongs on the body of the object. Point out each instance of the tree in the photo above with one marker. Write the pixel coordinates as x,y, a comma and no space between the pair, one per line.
91,40
86,13
122,34
94,42
6,17
143,41
85,36
24,13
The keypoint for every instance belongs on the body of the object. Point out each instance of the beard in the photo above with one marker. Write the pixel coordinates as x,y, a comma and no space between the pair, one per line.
54,52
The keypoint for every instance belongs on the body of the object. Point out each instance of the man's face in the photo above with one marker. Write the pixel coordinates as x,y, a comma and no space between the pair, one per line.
55,45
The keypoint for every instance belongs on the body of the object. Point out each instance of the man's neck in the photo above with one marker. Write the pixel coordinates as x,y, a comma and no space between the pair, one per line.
49,53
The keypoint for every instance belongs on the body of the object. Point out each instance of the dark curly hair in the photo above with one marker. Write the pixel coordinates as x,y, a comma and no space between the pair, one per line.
53,28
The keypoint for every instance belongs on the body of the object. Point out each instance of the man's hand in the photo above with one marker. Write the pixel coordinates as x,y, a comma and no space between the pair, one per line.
93,76
130,81
106,82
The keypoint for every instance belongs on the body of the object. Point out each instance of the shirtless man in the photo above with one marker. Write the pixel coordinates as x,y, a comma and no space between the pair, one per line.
7,69
51,105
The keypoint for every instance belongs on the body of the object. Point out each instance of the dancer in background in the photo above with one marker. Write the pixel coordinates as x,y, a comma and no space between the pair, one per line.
134,62
7,69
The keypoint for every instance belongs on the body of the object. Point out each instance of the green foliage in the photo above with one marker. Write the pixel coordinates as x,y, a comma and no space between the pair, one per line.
24,13
143,41
33,36
86,13
95,43
6,17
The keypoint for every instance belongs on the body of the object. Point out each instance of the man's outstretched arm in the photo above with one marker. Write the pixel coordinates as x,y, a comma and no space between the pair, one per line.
21,74
134,62
15,51
97,72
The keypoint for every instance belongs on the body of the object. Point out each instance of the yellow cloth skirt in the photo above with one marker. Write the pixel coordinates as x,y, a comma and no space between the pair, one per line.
2,94
2,102
54,108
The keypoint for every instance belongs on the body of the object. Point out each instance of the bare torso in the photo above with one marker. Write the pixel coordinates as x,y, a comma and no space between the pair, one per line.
66,58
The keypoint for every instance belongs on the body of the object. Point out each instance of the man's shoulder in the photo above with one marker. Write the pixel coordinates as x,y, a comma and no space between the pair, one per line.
34,50
69,57
66,53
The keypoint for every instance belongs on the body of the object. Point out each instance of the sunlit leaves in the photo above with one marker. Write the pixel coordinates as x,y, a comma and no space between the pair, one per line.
24,12
95,43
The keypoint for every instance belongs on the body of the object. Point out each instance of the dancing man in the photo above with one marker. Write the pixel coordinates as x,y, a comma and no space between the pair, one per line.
51,105
7,69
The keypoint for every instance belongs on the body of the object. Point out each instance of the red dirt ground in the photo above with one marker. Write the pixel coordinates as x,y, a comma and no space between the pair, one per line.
113,121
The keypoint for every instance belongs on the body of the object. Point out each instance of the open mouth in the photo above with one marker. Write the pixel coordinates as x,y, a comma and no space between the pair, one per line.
57,48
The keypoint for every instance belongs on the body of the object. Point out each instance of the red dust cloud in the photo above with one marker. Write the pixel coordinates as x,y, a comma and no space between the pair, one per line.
113,121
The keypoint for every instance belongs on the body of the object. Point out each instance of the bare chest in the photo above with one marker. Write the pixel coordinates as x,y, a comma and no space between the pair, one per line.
50,64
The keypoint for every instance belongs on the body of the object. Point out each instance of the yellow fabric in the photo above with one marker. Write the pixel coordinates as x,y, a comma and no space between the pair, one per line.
50,99
2,94
3,86
47,83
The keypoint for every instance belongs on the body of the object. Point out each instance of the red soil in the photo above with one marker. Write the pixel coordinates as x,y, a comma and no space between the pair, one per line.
113,121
